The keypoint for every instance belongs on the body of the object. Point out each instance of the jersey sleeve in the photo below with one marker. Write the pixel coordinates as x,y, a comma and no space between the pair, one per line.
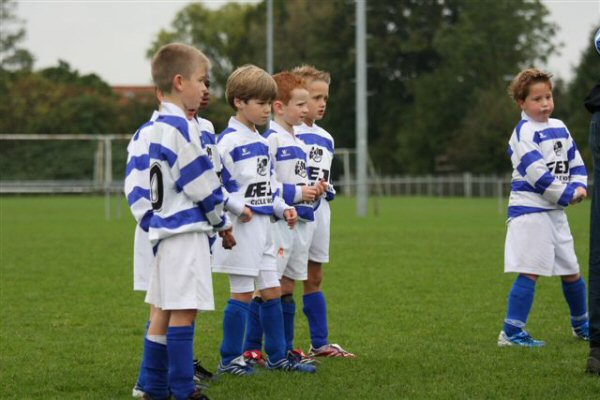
577,170
527,159
137,181
234,203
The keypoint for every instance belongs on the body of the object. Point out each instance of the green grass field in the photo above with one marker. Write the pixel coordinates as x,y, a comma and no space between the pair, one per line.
418,293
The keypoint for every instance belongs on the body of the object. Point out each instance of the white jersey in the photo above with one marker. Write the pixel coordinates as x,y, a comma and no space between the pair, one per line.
185,191
547,167
320,156
208,138
289,158
247,171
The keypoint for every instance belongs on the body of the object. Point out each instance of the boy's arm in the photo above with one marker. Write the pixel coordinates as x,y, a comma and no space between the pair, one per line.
529,162
577,170
199,181
233,203
137,183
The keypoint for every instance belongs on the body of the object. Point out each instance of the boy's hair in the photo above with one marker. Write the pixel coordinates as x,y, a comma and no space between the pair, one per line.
519,87
176,59
310,73
250,82
286,83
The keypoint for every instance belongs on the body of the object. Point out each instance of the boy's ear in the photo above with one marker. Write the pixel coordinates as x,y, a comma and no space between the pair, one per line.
520,103
178,82
237,102
278,106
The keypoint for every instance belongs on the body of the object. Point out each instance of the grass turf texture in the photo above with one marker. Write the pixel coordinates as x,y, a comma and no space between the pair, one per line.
418,293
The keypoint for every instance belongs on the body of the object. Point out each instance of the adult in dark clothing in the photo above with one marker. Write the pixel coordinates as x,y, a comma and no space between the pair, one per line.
592,103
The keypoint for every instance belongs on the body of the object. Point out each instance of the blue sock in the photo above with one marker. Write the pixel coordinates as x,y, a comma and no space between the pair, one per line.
271,318
156,369
142,377
234,327
180,345
288,306
520,301
315,309
254,330
575,294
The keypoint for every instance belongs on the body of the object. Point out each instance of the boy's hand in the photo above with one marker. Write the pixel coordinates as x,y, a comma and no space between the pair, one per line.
246,214
291,217
309,193
580,194
228,239
321,187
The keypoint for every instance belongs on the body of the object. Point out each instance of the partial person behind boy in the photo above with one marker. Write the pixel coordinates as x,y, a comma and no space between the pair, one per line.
592,103
320,157
187,204
247,175
289,155
548,175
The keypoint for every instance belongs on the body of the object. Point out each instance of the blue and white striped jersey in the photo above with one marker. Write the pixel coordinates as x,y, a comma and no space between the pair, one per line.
547,167
320,156
137,174
208,139
247,171
185,191
289,155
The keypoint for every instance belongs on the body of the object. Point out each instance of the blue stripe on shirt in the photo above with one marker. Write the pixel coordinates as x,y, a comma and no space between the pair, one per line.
522,186
162,153
265,210
290,153
515,211
527,160
248,151
140,163
193,170
185,217
312,138
179,123
137,134
225,133
145,221
544,181
552,134
578,170
289,193
571,153
207,138
136,194
230,184
268,133
567,196
306,212
518,128
216,197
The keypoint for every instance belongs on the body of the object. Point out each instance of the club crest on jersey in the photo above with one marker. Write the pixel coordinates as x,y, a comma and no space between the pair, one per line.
558,148
209,152
300,168
261,166
316,154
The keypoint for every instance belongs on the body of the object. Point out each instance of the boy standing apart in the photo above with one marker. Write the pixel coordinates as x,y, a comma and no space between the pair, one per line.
247,175
548,175
187,203
320,156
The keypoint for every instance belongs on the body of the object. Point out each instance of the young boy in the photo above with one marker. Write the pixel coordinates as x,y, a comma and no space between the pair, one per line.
321,146
187,203
548,175
289,155
247,176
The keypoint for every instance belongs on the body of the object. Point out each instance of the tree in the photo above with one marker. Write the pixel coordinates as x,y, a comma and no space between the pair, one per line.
12,57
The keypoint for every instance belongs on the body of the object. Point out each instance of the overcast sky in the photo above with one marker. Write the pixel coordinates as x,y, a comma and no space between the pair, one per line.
110,37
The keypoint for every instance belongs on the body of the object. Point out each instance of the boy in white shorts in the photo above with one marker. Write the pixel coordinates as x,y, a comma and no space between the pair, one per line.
548,175
289,155
247,175
187,203
320,156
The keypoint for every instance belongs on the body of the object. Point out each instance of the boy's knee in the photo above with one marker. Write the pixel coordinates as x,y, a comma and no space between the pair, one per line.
182,317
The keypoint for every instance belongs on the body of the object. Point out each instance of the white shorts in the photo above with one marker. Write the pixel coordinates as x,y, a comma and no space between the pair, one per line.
254,250
292,246
181,278
143,257
319,246
540,244
247,284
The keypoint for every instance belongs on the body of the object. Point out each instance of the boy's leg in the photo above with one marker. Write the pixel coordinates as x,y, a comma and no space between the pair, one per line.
520,301
271,319
574,290
180,347
315,306
288,306
155,364
254,330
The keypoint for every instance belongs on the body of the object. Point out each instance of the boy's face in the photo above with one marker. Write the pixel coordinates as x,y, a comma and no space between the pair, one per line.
317,101
539,103
206,96
253,111
296,109
192,91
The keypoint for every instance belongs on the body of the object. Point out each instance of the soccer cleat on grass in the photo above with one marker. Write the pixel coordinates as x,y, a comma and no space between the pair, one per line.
297,355
198,395
237,367
582,332
137,392
291,365
201,374
254,357
330,350
593,364
522,339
